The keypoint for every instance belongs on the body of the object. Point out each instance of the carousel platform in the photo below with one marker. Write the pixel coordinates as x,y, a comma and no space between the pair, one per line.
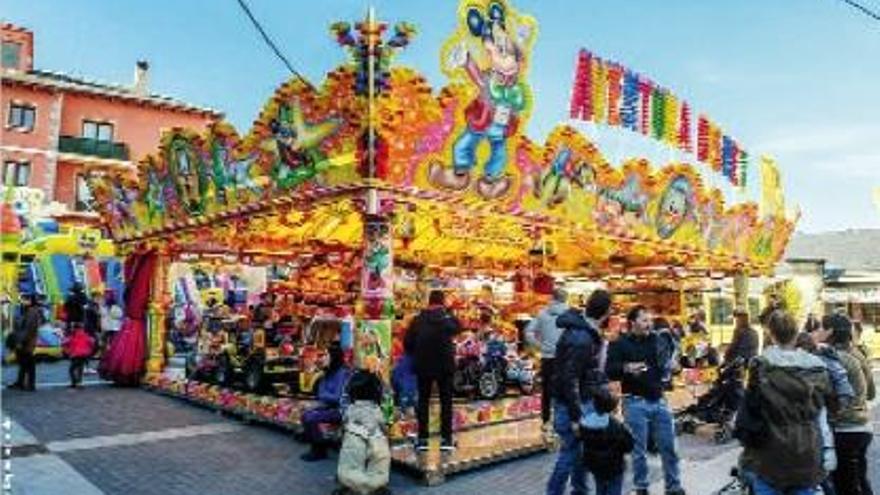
487,432
477,447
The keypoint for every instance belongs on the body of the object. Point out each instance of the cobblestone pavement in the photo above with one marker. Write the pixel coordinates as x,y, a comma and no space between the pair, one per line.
54,373
110,440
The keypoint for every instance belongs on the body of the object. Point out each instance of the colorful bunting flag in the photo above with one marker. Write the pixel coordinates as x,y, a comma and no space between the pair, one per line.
743,161
628,112
600,90
580,88
703,139
607,92
684,129
645,90
670,120
615,74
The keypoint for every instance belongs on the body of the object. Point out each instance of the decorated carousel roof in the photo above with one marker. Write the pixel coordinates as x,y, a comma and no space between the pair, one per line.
463,183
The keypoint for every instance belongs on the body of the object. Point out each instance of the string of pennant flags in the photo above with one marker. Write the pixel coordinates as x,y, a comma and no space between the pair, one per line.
606,92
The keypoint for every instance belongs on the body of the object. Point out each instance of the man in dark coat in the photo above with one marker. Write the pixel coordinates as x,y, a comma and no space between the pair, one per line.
745,339
26,342
579,377
430,342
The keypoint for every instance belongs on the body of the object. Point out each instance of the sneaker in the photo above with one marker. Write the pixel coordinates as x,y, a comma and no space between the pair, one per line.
447,446
422,445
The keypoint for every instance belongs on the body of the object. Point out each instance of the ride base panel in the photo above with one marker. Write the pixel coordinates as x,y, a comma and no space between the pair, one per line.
487,432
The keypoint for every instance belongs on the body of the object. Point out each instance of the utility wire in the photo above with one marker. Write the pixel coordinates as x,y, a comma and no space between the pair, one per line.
865,10
271,44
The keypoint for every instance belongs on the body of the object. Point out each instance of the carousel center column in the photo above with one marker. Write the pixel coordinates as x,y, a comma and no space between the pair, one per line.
375,311
156,315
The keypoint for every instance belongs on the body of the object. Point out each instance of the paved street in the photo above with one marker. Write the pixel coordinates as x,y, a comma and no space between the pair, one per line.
110,440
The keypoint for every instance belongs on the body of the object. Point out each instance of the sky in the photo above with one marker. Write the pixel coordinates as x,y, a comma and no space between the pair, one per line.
793,79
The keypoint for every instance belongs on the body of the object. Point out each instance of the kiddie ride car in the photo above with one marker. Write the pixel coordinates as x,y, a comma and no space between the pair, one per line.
232,352
486,369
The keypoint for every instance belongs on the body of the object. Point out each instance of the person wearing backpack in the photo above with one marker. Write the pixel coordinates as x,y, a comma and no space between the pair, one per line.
842,395
605,442
852,421
778,422
365,458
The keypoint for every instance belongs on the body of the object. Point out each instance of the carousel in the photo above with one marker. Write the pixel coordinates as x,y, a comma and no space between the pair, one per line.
373,188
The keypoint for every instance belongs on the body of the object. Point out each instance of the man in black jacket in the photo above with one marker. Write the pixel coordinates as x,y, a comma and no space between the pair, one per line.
429,342
635,360
579,376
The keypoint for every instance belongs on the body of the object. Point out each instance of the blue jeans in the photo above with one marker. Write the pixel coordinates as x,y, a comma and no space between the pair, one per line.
611,486
570,463
464,151
761,487
643,416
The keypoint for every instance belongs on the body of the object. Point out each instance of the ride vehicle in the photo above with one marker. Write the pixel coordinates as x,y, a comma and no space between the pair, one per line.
234,351
486,370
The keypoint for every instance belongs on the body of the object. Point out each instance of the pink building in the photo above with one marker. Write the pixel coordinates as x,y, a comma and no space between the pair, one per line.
57,128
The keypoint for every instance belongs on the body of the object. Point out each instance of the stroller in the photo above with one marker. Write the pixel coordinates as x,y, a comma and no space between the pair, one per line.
717,406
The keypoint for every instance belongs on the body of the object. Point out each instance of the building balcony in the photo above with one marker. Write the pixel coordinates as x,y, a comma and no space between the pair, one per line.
93,147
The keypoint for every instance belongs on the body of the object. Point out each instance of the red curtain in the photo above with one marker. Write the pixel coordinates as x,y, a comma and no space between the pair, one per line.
123,363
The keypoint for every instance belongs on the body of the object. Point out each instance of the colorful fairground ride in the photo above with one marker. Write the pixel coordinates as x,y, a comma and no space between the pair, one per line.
374,188
42,257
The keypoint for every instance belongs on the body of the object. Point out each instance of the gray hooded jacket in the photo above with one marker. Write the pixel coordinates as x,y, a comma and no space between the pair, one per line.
364,459
542,330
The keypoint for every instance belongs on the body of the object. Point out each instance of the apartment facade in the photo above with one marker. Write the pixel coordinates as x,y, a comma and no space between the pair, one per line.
58,129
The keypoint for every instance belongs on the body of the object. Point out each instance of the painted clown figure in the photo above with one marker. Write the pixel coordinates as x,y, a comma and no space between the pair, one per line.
494,115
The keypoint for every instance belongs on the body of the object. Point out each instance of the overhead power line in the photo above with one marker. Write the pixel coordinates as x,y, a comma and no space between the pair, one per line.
271,43
865,10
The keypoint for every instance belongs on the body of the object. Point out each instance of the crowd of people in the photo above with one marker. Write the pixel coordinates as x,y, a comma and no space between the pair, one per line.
803,420
89,325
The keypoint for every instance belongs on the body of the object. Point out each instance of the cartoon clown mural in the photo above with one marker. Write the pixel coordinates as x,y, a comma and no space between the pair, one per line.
676,207
489,53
